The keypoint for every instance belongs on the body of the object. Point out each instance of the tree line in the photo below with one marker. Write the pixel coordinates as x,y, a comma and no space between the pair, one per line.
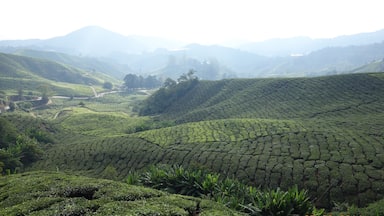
170,92
18,149
133,81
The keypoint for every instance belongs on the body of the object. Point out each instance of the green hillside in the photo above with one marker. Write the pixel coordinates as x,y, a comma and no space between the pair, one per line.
309,98
324,134
28,74
27,67
84,63
54,193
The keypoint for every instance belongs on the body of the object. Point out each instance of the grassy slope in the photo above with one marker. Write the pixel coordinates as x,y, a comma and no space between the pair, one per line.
85,63
324,134
29,73
54,193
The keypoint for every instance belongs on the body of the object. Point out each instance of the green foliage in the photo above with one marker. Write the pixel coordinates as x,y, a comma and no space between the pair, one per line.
108,85
283,98
20,73
132,81
27,67
8,133
278,202
49,193
232,193
40,135
12,106
109,173
323,134
16,149
374,209
133,178
88,122
166,96
23,152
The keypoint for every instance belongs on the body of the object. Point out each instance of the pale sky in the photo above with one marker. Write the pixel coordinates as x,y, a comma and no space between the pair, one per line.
200,21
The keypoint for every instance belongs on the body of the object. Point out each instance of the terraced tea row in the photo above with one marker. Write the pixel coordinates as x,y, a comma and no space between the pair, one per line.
280,98
228,130
334,164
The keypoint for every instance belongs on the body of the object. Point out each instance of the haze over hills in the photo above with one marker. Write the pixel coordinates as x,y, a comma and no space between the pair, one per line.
95,41
306,45
272,58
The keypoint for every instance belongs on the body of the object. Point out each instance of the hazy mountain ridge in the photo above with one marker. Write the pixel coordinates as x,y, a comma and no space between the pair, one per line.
306,45
93,41
148,55
332,60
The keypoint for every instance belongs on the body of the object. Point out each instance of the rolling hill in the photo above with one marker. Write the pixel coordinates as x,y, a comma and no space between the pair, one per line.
27,73
289,98
323,134
118,71
26,67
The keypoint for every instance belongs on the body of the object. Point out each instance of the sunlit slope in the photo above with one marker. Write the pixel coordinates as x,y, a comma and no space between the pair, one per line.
335,96
324,134
84,63
26,67
28,74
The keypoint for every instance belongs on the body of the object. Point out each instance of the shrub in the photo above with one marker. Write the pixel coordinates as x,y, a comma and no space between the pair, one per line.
230,192
107,85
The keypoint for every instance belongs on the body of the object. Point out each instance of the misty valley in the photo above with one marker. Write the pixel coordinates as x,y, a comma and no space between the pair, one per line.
97,123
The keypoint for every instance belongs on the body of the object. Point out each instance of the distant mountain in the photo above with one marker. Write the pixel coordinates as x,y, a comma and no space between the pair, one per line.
332,60
306,45
94,41
97,49
233,57
209,69
327,61
241,63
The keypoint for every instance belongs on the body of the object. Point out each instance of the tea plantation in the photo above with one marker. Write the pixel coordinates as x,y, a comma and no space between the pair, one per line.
324,134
